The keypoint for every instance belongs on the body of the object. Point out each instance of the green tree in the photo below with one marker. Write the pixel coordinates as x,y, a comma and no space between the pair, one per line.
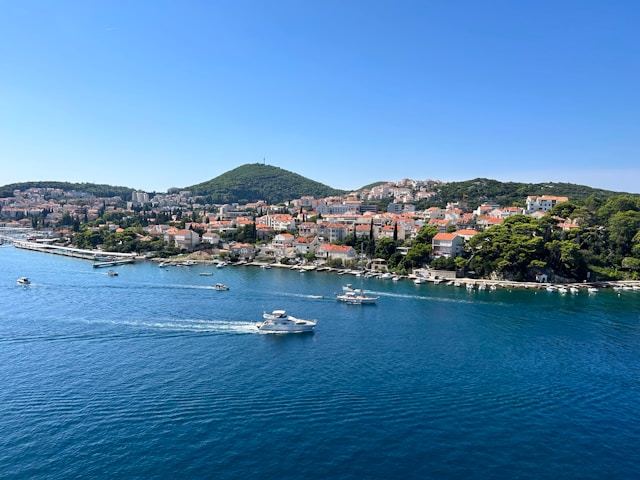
623,227
385,248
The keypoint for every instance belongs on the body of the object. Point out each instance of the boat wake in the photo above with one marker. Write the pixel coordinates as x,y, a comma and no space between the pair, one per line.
303,295
195,326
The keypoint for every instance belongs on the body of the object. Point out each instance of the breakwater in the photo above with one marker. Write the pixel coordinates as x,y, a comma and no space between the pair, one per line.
94,255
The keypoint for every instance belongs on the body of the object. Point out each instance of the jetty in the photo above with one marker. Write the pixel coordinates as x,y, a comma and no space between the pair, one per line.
102,259
113,263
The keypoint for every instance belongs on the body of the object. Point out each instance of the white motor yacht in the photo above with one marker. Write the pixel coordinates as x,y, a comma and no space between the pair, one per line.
279,322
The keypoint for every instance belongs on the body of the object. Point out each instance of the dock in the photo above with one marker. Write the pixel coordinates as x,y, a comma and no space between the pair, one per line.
113,263
108,258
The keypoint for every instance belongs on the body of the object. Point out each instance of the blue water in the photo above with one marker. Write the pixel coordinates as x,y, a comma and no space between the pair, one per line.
154,374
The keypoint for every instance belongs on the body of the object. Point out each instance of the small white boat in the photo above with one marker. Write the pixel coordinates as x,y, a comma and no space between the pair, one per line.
279,322
23,281
357,297
221,264
419,280
112,273
221,286
206,274
592,290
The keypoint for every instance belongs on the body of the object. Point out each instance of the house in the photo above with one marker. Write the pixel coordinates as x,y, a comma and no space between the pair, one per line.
446,245
487,221
440,224
307,229
343,252
263,232
283,240
467,234
333,232
182,239
305,245
388,231
211,238
378,265
242,250
280,222
544,203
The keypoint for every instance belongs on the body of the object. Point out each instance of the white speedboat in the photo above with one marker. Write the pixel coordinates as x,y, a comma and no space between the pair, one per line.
357,297
112,273
279,322
221,286
23,281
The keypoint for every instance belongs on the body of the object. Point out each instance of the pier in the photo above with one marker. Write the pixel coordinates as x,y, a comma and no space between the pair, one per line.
103,259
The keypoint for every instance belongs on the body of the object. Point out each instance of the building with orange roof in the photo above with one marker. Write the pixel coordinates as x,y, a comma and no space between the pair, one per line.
467,233
446,245
343,252
543,203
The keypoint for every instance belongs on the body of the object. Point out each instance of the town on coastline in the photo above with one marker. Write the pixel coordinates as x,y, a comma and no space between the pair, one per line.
350,233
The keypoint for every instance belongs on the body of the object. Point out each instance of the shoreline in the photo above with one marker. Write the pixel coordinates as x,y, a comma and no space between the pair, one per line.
465,282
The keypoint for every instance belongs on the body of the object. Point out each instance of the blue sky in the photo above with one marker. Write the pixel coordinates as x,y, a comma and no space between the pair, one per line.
160,94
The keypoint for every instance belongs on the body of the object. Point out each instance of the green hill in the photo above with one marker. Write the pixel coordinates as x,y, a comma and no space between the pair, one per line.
256,181
92,188
480,190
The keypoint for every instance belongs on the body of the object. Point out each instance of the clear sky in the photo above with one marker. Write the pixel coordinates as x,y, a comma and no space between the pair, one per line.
159,94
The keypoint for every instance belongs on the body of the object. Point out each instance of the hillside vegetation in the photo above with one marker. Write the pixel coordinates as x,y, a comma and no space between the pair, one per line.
481,190
252,182
92,188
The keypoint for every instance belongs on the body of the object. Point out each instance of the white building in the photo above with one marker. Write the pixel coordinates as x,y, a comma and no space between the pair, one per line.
544,203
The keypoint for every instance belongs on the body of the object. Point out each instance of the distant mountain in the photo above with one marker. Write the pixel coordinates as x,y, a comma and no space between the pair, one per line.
481,190
257,181
92,188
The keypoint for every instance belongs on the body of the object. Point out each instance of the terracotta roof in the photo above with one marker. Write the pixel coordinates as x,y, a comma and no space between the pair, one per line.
445,236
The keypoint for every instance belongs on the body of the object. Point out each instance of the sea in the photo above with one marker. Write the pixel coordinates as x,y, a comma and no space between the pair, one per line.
155,374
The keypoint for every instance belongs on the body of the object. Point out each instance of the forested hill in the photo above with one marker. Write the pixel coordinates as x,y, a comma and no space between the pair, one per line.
92,188
482,190
256,181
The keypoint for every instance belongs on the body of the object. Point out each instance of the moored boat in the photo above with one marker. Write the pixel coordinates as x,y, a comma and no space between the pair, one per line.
279,322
